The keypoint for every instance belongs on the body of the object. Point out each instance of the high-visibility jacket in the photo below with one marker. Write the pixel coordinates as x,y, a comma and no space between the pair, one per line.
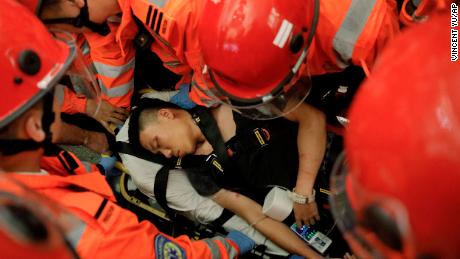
110,231
351,32
112,60
348,32
66,163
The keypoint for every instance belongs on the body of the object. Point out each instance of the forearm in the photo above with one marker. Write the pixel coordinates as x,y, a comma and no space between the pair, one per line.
70,134
276,231
311,143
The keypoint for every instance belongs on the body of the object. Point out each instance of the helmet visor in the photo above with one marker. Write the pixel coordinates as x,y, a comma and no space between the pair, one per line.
375,226
267,102
77,81
32,226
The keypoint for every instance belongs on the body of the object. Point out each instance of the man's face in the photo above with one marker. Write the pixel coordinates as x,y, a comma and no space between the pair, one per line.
170,136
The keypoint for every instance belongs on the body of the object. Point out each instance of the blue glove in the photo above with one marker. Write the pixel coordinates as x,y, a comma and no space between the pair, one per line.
244,243
296,257
182,98
107,162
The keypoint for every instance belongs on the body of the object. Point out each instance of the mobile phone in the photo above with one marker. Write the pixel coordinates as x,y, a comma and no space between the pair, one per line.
313,237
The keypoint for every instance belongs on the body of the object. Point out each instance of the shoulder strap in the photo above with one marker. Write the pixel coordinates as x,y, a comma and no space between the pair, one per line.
159,189
208,125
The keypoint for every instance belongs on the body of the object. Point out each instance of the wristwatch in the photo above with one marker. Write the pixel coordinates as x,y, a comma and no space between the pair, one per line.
302,199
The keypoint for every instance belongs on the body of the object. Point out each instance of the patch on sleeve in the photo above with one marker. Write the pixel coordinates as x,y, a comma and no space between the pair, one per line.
165,248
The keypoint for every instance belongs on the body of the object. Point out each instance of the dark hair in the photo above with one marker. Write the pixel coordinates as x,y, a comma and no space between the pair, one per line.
137,121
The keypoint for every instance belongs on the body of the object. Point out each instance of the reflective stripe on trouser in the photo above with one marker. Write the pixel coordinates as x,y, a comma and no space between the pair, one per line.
350,29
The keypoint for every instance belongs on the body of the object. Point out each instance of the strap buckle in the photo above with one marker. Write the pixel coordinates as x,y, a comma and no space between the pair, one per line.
262,136
212,159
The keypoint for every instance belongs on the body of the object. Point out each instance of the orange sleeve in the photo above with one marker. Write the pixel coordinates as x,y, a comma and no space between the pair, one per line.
118,234
66,163
114,65
72,102
382,27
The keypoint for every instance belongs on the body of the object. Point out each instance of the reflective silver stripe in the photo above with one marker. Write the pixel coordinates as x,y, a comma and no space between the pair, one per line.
59,94
159,3
173,64
87,166
215,252
74,235
85,48
352,25
231,251
113,71
208,102
116,91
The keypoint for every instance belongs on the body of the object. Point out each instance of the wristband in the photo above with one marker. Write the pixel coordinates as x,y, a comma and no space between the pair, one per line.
302,199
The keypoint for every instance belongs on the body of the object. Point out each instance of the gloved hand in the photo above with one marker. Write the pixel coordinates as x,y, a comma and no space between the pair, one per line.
107,162
296,257
244,243
182,98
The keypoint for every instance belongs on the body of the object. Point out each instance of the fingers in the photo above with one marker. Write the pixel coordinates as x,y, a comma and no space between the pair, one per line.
119,116
98,142
122,111
298,222
317,217
115,121
107,127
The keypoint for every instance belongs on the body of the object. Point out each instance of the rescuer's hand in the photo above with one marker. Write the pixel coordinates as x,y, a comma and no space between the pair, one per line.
96,141
106,113
306,214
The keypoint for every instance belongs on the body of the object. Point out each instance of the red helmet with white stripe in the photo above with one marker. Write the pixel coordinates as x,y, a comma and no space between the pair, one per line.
33,62
254,51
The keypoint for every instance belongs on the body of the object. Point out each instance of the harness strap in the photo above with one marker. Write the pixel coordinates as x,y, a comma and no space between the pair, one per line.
159,189
248,141
208,125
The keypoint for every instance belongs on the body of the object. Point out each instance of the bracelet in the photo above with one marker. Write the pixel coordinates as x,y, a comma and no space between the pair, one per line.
302,199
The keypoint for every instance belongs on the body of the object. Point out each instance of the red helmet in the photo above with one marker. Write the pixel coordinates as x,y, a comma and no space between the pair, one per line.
399,196
33,62
34,5
254,51
34,227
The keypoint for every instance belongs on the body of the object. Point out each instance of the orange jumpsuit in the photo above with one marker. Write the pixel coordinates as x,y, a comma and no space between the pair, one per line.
66,163
348,32
112,60
110,231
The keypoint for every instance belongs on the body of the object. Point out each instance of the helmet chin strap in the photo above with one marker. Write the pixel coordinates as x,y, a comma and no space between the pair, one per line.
9,147
82,20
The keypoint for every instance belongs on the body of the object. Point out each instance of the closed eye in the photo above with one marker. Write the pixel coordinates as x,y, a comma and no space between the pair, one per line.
154,145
